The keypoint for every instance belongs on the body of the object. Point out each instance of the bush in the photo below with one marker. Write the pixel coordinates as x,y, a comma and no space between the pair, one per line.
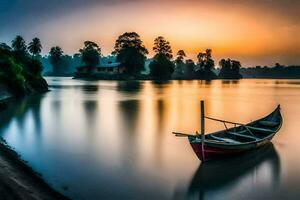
11,73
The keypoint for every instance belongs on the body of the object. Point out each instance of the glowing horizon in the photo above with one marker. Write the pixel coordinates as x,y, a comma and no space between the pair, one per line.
243,31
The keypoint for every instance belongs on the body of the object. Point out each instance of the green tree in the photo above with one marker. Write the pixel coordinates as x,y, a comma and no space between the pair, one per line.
131,53
11,72
90,55
56,54
162,46
35,46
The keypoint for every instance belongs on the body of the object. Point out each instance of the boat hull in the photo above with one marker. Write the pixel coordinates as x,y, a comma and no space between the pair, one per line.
214,152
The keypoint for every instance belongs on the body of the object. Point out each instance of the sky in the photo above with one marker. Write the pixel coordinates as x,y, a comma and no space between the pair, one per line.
256,32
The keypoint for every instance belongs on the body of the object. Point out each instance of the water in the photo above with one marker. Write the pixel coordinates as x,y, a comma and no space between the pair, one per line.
112,140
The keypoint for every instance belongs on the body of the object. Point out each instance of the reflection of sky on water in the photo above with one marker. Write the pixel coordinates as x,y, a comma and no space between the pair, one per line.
109,139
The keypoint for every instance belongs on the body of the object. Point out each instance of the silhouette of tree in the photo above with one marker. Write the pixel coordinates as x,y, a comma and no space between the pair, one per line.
35,46
19,49
161,46
90,55
229,69
131,53
189,71
205,65
179,68
236,66
19,44
180,56
56,59
161,68
4,46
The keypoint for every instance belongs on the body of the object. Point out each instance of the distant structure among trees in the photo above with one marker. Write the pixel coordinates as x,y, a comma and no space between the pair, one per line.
129,61
90,55
131,53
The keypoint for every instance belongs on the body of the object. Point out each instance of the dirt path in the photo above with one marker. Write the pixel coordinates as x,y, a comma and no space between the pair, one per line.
19,182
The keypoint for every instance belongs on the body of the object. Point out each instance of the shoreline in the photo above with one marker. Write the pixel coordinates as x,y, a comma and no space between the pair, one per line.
17,179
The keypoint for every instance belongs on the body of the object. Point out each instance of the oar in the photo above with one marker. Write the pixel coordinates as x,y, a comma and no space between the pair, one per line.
183,134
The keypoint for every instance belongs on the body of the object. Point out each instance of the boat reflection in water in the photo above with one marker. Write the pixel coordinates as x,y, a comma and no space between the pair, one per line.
238,177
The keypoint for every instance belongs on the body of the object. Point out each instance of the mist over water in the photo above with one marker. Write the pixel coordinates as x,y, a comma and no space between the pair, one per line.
112,139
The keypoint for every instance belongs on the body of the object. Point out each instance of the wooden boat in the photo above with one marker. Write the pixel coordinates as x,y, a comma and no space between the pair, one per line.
236,140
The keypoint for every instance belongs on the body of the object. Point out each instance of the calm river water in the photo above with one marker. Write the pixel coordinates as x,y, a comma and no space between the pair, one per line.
112,139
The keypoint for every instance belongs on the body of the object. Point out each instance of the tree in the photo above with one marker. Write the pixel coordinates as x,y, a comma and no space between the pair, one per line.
180,56
56,59
19,49
230,69
179,68
162,46
35,46
205,65
189,71
90,55
161,68
209,62
19,44
131,53
11,72
5,47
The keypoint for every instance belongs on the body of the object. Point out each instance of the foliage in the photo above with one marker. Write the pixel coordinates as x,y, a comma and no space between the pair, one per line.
56,54
230,69
162,46
205,66
35,46
19,71
205,61
11,72
36,67
4,47
161,68
19,49
19,44
130,52
90,54
180,57
189,71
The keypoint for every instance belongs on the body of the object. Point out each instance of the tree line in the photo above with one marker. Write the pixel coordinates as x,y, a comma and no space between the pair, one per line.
130,51
277,71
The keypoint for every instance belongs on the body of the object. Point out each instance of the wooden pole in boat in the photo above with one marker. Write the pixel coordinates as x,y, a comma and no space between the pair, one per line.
202,129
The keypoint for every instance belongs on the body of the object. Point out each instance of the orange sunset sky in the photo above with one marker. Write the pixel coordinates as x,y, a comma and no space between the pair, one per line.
258,32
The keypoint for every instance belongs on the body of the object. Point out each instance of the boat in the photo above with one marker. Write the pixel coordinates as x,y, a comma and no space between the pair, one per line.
236,140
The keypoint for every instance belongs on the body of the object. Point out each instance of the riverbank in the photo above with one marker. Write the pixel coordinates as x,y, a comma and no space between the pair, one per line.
18,181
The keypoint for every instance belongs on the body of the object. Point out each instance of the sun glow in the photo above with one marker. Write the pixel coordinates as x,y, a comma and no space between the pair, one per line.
231,31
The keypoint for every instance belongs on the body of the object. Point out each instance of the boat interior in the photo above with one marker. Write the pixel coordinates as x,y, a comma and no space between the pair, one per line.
251,132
